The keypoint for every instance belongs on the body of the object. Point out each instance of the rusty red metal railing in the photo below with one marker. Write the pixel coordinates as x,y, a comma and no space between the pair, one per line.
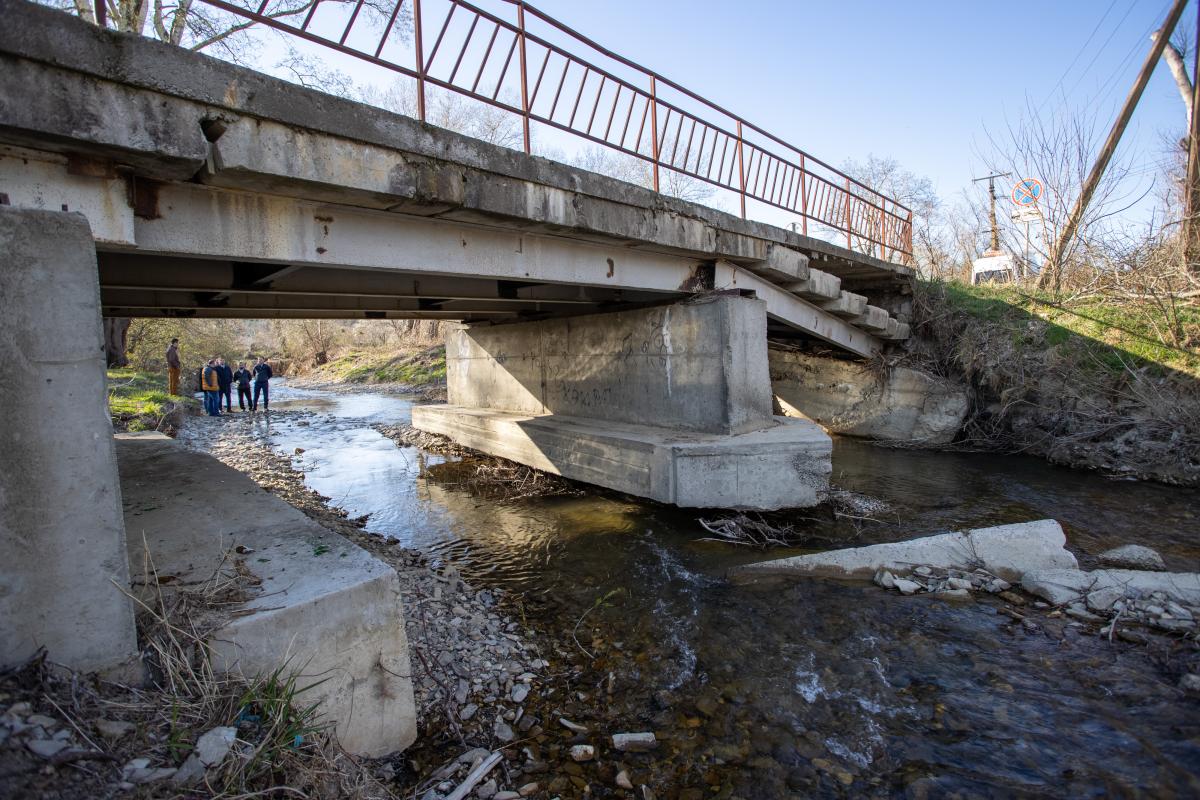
473,54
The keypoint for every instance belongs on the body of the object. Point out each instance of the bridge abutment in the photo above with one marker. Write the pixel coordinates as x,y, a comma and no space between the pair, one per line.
671,403
60,500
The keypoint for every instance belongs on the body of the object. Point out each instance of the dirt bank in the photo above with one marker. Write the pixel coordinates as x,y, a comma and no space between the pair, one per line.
1084,384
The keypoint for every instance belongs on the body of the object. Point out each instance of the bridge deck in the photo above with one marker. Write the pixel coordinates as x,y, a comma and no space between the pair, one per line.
213,190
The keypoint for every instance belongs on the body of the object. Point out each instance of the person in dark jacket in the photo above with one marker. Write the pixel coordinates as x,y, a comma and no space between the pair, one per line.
262,377
225,379
210,384
173,366
242,378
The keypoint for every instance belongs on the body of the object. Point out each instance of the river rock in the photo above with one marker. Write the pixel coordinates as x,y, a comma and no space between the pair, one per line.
1133,556
1008,551
1190,683
634,742
210,750
112,729
46,748
906,586
622,780
503,732
885,579
573,727
582,752
1062,586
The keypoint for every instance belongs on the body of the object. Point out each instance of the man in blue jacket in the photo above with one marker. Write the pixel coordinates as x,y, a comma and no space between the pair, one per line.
225,381
262,377
243,377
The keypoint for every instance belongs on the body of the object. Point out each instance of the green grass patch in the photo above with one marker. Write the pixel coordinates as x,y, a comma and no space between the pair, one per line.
1110,333
138,400
417,369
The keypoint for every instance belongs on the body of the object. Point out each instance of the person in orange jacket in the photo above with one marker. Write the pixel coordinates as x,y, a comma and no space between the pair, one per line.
210,384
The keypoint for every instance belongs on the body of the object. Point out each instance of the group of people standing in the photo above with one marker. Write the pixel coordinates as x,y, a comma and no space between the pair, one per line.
216,380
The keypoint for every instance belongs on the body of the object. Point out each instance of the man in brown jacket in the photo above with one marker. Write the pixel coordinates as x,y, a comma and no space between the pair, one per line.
173,368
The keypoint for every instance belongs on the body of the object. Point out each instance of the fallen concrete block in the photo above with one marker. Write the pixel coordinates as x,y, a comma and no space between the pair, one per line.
1062,586
1008,551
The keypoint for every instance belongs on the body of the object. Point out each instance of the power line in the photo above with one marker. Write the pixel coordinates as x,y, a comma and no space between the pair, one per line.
1101,50
1107,87
1078,53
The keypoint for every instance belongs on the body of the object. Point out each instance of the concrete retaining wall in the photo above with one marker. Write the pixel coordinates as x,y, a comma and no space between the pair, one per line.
847,397
61,530
691,366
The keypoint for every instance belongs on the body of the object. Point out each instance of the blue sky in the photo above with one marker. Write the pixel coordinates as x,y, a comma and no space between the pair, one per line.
917,81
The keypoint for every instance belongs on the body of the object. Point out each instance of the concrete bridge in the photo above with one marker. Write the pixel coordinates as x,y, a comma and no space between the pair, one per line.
609,333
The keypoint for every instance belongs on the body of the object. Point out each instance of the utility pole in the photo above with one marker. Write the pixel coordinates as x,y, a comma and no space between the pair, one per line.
991,179
1191,225
1054,262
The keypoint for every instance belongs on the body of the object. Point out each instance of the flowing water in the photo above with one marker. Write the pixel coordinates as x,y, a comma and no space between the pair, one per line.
809,686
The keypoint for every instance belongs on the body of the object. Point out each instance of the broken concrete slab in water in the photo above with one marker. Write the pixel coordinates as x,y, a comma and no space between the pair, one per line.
1103,587
1007,551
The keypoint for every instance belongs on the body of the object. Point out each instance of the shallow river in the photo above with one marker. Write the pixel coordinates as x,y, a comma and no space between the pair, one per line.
811,686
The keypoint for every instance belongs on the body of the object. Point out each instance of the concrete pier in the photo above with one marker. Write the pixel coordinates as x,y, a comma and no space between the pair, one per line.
671,403
61,531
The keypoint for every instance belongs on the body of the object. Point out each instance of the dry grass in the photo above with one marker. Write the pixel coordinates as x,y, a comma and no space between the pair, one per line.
282,748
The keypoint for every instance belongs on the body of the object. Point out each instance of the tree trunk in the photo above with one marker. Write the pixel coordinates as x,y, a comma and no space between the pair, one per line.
115,329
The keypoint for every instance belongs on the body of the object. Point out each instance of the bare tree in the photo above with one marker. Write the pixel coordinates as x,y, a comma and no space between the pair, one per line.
631,169
446,109
199,26
931,251
1058,149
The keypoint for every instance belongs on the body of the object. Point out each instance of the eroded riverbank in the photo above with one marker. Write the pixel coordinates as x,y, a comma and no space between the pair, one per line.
815,687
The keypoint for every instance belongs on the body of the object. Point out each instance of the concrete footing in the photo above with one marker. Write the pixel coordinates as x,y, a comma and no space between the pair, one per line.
782,466
61,533
319,606
672,403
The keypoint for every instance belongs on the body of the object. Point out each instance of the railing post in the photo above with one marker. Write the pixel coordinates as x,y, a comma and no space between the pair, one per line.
803,195
420,50
849,243
524,78
908,238
654,126
741,171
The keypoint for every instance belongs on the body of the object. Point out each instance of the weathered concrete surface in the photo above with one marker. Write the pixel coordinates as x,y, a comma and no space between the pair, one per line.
847,397
1062,586
327,608
786,465
61,529
697,366
1007,551
1133,556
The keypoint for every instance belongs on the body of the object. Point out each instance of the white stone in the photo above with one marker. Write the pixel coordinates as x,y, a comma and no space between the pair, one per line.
959,583
622,780
1005,550
113,729
634,741
583,752
1133,556
906,586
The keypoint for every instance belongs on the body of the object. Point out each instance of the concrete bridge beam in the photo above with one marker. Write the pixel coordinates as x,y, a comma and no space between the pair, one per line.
61,525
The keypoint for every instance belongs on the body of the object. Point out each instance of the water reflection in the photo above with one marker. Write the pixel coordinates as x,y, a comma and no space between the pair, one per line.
762,682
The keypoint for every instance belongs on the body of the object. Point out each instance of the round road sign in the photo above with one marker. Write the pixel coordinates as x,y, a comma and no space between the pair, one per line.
1027,192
